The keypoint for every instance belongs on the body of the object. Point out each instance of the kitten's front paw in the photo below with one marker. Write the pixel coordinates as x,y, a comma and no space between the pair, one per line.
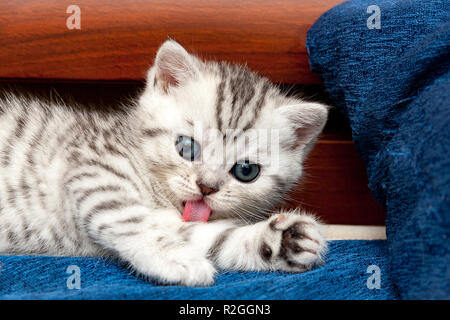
292,242
190,272
178,269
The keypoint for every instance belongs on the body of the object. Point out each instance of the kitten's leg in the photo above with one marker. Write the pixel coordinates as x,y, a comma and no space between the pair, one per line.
287,241
157,244
151,242
111,210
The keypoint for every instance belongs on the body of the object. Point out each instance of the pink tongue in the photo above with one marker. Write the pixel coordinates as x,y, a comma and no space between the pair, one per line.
196,211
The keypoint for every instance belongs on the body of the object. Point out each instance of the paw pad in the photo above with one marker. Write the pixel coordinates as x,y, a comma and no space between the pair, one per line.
266,251
300,245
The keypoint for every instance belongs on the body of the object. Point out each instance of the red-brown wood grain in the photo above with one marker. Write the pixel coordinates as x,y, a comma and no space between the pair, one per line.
118,38
335,186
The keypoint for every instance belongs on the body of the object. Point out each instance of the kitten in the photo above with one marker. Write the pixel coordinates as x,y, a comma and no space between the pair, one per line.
139,184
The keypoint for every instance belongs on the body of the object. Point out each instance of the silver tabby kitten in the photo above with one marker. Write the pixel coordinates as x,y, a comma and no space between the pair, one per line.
139,185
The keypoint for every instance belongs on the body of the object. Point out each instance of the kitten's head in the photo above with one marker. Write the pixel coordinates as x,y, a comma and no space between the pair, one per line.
224,135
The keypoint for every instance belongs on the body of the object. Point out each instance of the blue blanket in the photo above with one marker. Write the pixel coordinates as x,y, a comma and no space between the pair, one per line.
388,68
345,276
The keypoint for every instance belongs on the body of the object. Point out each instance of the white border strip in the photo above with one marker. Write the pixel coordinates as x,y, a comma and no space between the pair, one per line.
353,232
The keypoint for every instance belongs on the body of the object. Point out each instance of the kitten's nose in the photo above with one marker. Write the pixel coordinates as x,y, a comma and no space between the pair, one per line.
205,190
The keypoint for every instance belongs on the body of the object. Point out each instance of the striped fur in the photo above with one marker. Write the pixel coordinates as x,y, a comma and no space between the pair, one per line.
74,182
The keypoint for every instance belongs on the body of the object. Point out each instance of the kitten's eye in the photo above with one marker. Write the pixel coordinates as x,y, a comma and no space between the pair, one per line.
187,148
245,171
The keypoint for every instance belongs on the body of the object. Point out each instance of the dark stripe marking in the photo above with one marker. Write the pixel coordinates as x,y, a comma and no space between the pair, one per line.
89,192
109,205
258,106
218,243
220,97
154,132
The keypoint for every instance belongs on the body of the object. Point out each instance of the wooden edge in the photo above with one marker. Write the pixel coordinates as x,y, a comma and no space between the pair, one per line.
349,232
118,40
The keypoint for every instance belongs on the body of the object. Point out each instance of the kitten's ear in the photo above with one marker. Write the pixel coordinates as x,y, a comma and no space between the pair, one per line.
173,66
307,119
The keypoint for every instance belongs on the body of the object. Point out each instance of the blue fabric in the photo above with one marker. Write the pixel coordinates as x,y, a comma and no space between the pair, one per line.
394,85
343,277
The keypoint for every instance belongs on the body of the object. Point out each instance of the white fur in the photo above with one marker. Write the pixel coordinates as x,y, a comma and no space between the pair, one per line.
137,217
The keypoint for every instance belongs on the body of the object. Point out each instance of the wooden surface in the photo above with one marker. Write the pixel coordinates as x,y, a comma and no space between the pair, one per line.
118,38
352,232
335,185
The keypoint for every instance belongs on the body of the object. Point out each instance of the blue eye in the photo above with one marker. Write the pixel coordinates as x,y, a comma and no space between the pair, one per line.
245,171
187,148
